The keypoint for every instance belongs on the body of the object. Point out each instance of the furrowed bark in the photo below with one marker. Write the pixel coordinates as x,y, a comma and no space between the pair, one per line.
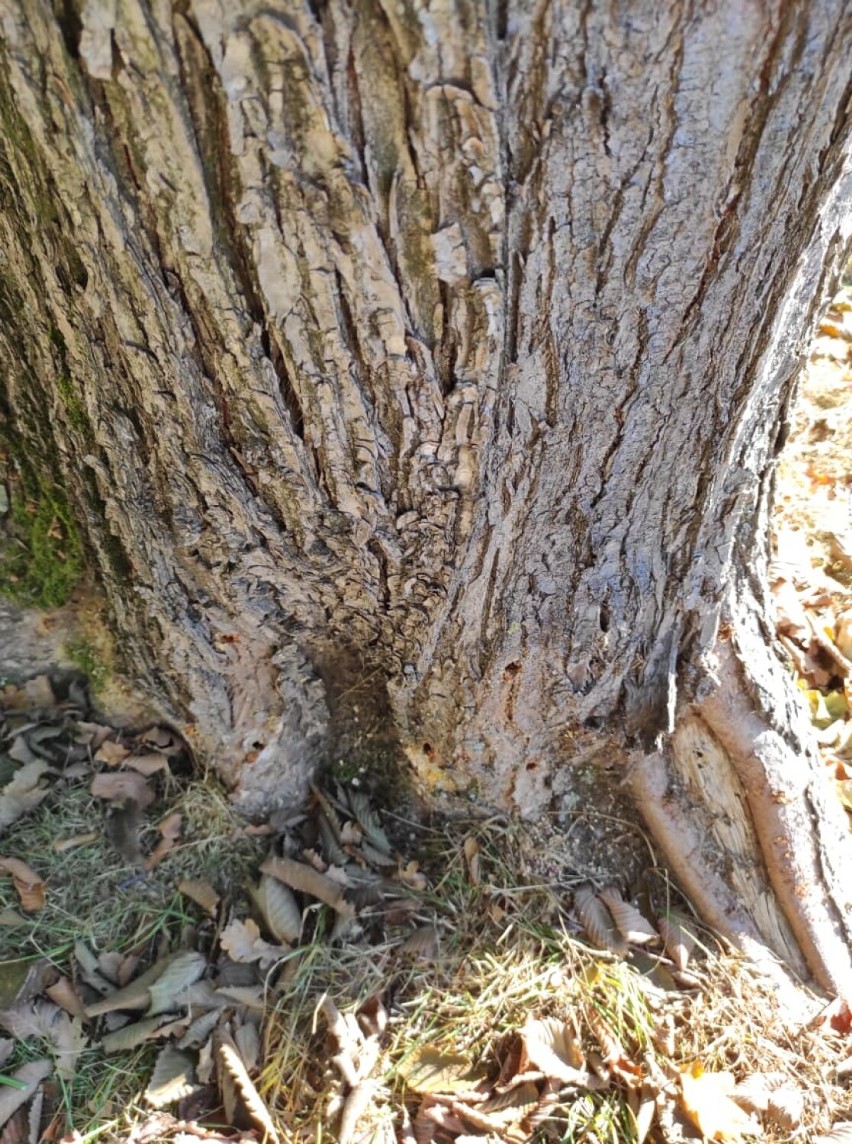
439,358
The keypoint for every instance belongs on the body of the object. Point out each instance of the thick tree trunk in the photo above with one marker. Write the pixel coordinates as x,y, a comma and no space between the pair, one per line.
438,355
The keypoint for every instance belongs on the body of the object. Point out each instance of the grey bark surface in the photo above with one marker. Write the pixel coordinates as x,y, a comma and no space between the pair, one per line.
447,346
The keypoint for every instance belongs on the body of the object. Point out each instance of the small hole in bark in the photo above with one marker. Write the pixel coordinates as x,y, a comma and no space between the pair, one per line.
428,750
594,722
511,669
603,618
257,745
531,766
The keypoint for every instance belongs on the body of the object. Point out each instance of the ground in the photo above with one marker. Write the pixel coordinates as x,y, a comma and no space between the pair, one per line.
366,972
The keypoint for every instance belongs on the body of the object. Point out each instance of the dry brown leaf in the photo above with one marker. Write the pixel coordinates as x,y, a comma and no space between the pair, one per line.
633,926
23,793
429,1070
121,785
30,886
423,943
170,829
252,998
130,1037
410,875
280,912
471,857
111,753
242,942
256,1108
678,940
172,1079
147,764
200,892
596,921
63,993
44,1020
706,1100
30,1076
169,989
247,1041
552,1046
299,876
63,844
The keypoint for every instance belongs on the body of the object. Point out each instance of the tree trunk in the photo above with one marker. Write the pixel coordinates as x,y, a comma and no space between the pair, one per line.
424,365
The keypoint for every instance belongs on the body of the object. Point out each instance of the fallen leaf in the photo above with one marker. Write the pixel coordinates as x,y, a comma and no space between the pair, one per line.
147,764
111,753
597,922
254,1104
63,844
28,1077
552,1046
280,912
200,892
23,793
173,1078
471,857
63,993
633,926
170,829
120,785
242,942
301,877
706,1099
429,1069
121,830
30,886
168,989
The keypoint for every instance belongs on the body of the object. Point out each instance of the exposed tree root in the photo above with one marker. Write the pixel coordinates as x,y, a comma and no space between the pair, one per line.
745,818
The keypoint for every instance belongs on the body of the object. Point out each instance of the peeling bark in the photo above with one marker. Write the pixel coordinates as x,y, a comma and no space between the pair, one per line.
448,347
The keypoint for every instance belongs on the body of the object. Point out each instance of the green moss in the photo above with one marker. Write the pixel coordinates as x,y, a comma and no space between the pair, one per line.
84,654
71,401
41,553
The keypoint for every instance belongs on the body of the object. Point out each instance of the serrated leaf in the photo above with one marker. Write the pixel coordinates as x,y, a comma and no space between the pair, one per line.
181,971
334,852
247,1041
173,1078
132,1036
422,943
28,1077
200,1029
678,941
597,922
281,914
368,820
633,926
135,995
257,1110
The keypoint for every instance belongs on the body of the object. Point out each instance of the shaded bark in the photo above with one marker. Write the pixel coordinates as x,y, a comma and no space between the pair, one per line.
448,349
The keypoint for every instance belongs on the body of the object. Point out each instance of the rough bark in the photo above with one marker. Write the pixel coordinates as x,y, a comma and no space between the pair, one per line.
446,347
